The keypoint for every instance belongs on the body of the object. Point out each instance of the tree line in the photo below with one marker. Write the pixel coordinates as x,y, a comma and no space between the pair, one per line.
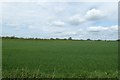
69,38
14,37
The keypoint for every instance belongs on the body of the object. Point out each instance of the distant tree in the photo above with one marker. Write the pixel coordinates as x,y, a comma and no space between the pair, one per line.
70,38
30,38
36,38
51,38
64,39
98,40
3,37
88,39
81,39
12,37
57,38
118,40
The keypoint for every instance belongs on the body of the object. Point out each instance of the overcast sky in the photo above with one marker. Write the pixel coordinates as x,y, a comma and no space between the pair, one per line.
79,20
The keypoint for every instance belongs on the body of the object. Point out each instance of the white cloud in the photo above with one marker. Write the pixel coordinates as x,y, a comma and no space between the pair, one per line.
69,33
91,15
47,19
94,14
76,20
101,28
59,0
1,12
13,24
97,28
114,27
31,27
57,23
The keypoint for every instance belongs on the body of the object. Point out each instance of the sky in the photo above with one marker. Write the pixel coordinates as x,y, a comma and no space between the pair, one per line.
79,20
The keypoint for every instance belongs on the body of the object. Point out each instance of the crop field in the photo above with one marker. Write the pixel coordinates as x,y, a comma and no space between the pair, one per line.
59,59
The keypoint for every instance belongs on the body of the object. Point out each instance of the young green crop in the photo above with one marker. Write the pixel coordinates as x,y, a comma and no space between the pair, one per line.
59,58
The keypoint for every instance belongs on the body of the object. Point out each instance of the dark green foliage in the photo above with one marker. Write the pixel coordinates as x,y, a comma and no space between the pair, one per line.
70,38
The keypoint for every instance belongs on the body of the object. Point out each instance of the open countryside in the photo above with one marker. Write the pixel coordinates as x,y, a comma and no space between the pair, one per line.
59,58
59,39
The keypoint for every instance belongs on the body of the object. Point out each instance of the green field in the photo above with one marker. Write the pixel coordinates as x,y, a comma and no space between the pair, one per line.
59,58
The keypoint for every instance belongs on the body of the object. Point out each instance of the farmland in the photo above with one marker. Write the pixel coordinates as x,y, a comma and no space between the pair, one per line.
59,58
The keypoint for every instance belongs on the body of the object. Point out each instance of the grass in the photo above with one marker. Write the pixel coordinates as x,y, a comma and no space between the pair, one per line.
59,58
